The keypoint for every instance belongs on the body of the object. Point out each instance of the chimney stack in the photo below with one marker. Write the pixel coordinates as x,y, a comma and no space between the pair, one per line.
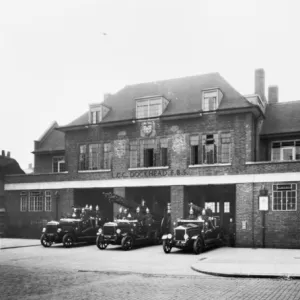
273,94
106,96
8,154
3,153
260,83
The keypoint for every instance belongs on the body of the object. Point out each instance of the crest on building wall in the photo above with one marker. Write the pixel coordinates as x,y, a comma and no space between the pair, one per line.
147,129
120,148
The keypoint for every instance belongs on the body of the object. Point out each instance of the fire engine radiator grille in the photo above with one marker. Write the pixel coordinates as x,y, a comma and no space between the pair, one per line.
51,228
108,230
179,234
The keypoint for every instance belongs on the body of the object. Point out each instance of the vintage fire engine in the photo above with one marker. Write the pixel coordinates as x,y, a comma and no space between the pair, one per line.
132,227
81,226
196,233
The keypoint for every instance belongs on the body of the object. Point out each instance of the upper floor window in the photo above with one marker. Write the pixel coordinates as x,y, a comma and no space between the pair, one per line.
164,152
225,147
194,144
95,116
285,150
97,112
284,197
150,107
133,154
148,153
210,148
210,100
58,164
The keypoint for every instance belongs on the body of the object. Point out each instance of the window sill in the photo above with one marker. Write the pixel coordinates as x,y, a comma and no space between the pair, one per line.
149,168
212,165
272,162
95,171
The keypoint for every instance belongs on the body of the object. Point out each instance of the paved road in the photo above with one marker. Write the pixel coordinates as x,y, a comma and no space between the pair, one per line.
147,273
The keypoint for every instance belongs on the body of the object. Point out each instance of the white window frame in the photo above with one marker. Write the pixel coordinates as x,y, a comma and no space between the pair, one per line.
59,162
23,198
35,200
148,104
48,199
94,111
284,210
283,148
207,96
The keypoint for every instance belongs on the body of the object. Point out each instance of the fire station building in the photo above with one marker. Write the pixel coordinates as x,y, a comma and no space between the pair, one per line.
193,139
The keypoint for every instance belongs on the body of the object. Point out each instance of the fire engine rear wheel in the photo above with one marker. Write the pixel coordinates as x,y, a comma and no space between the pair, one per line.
100,244
198,246
68,240
45,242
167,246
127,243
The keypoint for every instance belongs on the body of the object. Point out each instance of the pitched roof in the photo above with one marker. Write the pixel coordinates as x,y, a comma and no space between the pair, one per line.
51,140
9,166
185,96
282,118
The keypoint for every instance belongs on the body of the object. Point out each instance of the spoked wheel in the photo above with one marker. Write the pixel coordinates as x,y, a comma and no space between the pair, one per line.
68,240
198,246
127,243
45,242
167,246
100,244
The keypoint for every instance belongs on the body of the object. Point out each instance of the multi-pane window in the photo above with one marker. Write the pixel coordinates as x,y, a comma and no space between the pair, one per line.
35,201
48,201
94,157
210,205
107,156
209,145
226,207
58,164
95,115
225,147
210,101
164,151
148,108
24,200
285,150
147,153
194,144
133,154
83,158
284,197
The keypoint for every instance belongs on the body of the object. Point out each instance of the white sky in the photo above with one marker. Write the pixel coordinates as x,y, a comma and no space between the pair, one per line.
54,59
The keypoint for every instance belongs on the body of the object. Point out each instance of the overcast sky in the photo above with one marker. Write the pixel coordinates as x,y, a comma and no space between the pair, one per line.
55,59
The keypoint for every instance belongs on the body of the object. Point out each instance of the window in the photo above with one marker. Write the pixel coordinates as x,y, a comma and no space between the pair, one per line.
35,201
194,143
23,204
48,201
107,156
147,158
83,158
285,150
284,197
225,147
226,207
164,151
210,205
209,145
210,101
95,114
58,164
148,108
94,157
133,154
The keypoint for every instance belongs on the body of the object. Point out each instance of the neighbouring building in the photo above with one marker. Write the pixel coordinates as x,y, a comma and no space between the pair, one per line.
8,166
193,139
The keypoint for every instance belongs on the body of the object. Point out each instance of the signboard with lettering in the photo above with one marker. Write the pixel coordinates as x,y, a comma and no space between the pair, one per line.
263,203
150,173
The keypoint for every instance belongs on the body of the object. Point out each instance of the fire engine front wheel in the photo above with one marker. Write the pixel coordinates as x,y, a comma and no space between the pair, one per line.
198,246
68,240
167,246
45,242
127,243
100,244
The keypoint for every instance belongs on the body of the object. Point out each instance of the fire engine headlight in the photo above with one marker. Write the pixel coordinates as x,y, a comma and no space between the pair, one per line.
118,231
186,236
58,230
44,229
169,236
100,230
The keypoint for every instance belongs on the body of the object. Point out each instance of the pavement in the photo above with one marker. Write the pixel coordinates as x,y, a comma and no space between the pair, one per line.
250,262
9,243
224,261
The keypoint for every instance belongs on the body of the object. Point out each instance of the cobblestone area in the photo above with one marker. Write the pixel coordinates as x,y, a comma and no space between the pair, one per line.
33,274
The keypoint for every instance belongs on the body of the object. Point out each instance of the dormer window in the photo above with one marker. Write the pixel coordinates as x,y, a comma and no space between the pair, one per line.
211,99
97,113
150,107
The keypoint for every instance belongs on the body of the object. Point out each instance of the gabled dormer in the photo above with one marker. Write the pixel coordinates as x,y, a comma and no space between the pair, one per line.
211,99
97,112
150,106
